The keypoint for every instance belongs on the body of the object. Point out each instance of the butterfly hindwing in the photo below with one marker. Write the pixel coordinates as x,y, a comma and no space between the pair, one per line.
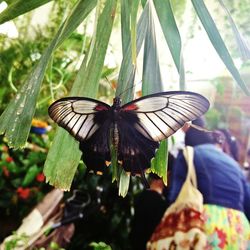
135,150
162,114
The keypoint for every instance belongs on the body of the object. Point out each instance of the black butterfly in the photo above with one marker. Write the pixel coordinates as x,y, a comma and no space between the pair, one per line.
134,128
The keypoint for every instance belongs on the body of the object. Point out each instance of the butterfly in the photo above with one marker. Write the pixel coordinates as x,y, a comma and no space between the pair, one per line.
134,129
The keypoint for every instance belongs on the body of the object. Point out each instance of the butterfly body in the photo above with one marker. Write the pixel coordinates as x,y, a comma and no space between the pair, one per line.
134,129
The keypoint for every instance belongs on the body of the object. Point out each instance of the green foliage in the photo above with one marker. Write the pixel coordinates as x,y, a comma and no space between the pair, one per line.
86,83
15,241
19,7
100,246
213,118
22,183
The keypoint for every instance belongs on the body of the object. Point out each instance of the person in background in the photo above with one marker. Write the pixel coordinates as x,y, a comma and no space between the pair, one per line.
228,143
224,188
149,207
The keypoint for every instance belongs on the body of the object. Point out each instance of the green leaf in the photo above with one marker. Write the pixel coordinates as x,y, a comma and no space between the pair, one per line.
218,42
64,155
19,7
125,25
114,162
124,183
170,30
30,175
15,121
242,44
159,163
126,75
152,83
151,77
134,10
126,81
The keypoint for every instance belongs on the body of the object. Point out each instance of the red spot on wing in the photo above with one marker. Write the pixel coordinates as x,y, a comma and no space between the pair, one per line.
100,107
130,107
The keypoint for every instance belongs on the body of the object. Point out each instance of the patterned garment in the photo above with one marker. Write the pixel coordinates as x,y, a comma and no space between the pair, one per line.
226,228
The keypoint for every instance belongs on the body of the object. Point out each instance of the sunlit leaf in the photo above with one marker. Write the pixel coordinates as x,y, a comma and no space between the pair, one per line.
19,7
244,48
151,78
64,155
218,42
125,25
125,87
170,30
15,122
124,183
159,163
134,10
152,83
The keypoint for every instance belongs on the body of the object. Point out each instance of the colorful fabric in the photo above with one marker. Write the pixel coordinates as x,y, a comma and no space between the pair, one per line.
226,228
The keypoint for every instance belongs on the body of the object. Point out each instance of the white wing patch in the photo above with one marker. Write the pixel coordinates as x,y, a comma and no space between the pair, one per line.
76,115
161,115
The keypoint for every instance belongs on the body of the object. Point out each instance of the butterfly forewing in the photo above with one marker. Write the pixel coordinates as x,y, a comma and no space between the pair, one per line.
76,115
162,114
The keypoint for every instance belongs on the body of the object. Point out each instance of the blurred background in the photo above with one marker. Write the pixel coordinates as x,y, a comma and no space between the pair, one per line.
23,40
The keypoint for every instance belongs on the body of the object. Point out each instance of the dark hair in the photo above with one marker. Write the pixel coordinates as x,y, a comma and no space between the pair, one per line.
224,136
194,137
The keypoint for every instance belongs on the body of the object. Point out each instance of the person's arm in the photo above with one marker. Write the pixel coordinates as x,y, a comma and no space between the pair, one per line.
247,199
177,176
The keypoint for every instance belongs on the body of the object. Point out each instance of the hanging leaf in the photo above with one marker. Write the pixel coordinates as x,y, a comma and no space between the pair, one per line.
19,7
218,42
125,87
125,25
126,81
124,183
134,10
170,30
15,121
152,83
64,155
241,42
151,77
159,163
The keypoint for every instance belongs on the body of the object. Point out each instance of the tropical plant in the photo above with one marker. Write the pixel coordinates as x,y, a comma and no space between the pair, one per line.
63,157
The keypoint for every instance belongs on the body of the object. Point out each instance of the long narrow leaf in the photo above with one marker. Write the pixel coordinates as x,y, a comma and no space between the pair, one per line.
218,42
15,121
19,7
151,78
125,25
241,42
152,83
64,155
124,183
159,163
170,30
126,75
126,81
134,10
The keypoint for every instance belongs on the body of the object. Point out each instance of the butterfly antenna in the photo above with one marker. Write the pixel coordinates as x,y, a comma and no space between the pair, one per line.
129,88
